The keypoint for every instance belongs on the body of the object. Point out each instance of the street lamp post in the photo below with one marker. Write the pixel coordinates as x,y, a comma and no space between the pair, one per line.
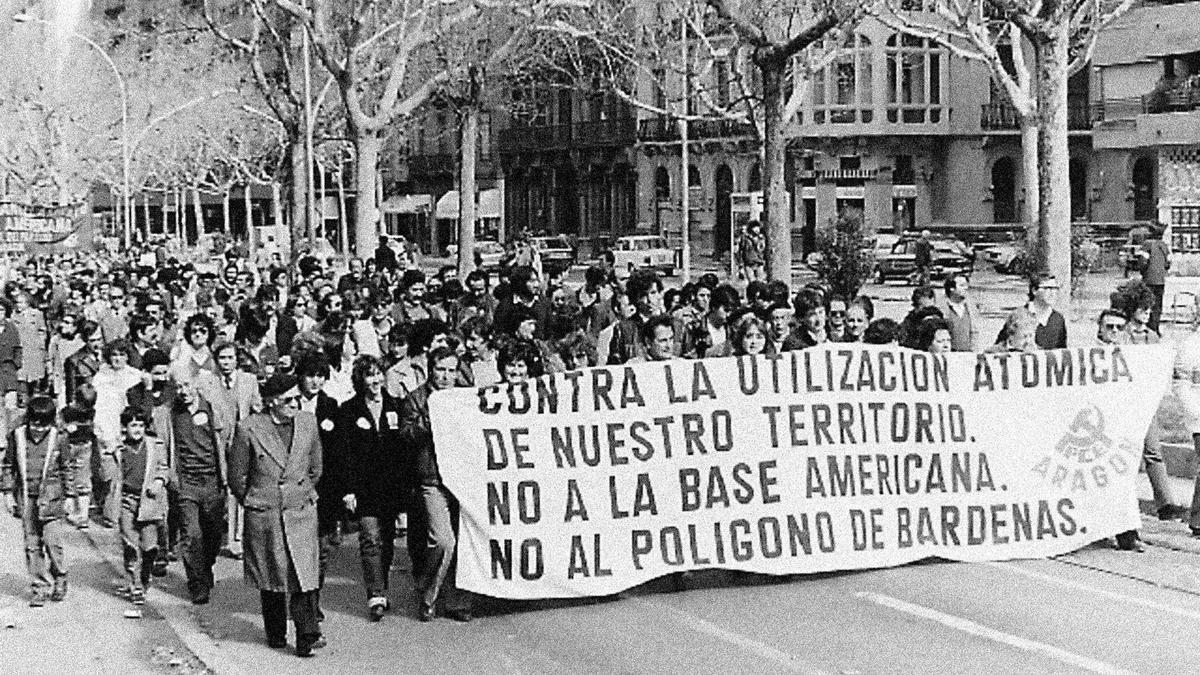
126,153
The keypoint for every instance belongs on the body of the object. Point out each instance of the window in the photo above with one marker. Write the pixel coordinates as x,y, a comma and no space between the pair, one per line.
914,80
662,184
660,92
902,172
693,177
722,77
841,91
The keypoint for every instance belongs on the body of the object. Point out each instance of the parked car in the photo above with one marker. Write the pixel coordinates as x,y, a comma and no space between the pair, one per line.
556,252
1006,258
643,251
489,255
950,256
880,247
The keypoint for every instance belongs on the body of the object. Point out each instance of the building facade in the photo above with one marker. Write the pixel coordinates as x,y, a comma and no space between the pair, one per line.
569,165
1148,133
891,125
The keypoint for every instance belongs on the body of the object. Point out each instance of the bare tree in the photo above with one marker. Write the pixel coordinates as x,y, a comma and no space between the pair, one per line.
1059,37
387,61
768,46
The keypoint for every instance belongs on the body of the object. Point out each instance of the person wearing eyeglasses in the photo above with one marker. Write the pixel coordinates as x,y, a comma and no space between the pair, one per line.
274,466
1112,329
1050,331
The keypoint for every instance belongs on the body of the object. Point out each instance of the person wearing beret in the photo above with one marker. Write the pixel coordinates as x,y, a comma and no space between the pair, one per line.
274,466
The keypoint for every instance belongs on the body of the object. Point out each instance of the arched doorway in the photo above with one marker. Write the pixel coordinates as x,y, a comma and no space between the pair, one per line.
1004,191
723,182
1145,202
1077,174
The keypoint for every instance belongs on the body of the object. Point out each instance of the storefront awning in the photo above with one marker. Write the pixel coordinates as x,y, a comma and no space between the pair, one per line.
487,206
405,204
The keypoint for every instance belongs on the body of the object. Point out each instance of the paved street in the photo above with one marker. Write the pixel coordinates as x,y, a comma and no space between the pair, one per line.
1098,610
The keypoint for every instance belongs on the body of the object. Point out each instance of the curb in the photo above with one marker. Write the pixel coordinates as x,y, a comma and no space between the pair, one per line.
194,642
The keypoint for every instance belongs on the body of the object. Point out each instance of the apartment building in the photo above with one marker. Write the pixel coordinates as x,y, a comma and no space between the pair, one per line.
893,126
1147,138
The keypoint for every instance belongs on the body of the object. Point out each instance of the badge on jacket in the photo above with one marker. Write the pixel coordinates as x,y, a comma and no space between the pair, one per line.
393,420
364,424
326,425
200,418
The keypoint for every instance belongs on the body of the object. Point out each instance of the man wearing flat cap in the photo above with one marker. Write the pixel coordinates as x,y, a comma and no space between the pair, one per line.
274,465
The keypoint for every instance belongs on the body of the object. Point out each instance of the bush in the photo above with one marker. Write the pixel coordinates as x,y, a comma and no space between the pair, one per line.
843,259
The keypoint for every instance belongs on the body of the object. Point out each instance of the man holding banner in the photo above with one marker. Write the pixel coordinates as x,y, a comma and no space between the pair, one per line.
439,505
832,458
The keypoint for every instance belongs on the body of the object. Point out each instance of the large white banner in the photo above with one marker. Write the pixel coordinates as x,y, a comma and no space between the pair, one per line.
849,456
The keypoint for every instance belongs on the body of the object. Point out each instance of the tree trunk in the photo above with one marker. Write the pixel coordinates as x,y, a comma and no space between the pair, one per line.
249,226
287,240
366,212
1029,176
180,224
299,225
248,205
198,212
343,219
775,212
146,214
466,191
1054,198
319,206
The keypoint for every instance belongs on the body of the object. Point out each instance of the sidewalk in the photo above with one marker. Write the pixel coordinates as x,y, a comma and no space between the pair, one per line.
86,632
1172,534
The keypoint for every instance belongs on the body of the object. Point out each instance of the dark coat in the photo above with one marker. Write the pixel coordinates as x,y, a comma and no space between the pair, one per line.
276,485
626,341
79,368
332,485
10,356
285,333
374,455
417,437
60,478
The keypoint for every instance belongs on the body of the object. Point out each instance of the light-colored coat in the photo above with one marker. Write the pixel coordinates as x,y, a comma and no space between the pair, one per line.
276,485
153,503
231,404
31,327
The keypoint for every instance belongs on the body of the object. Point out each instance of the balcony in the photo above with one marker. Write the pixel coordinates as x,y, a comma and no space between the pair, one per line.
666,129
1183,97
604,133
840,174
1002,116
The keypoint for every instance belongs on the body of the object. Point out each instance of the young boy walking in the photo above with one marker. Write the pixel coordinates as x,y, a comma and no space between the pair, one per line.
143,470
38,477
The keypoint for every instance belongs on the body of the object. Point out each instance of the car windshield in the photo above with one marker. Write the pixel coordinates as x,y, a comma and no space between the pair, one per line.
552,242
643,244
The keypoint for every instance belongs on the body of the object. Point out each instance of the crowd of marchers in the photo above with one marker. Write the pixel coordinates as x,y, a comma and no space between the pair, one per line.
266,412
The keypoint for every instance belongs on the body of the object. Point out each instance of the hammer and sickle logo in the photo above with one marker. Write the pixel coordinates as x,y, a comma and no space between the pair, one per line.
1086,432
1088,427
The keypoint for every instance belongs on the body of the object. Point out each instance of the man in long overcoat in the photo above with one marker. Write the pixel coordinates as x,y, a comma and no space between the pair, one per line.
274,465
